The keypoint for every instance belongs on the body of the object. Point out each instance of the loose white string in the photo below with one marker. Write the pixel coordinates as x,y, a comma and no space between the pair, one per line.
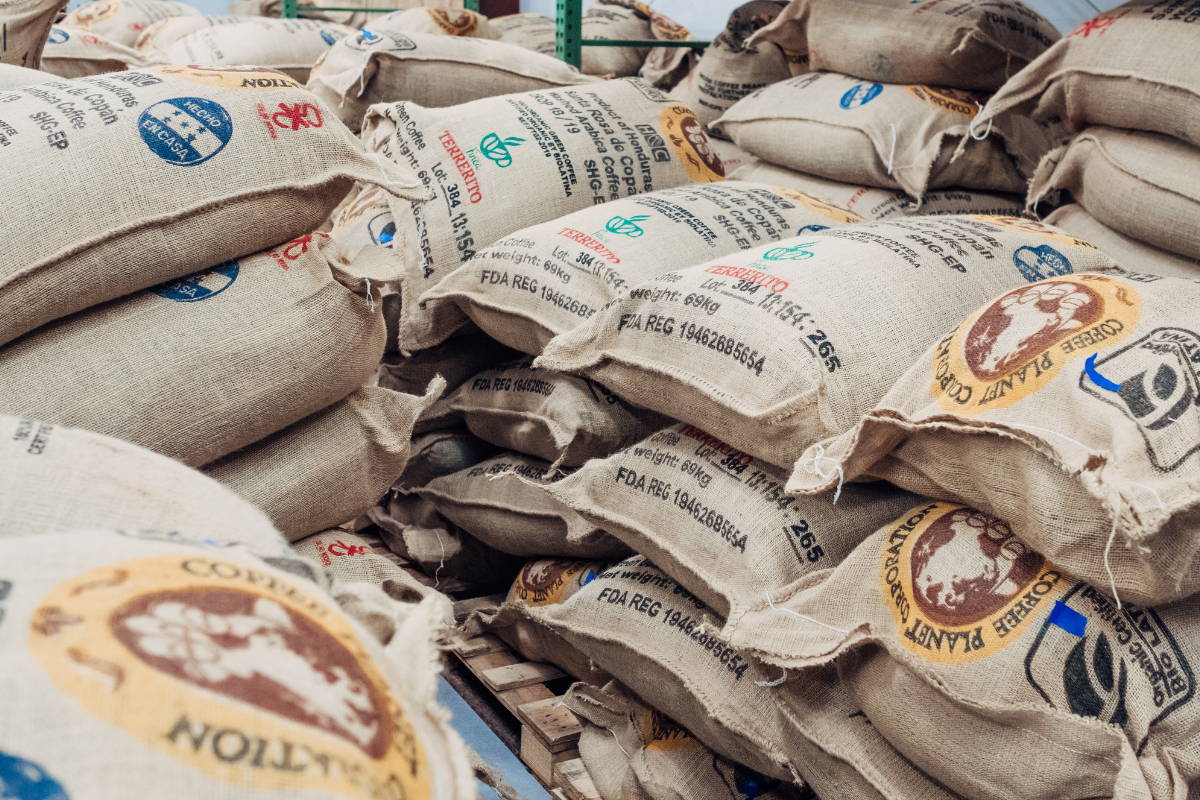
370,300
771,603
775,682
892,152
974,120
818,457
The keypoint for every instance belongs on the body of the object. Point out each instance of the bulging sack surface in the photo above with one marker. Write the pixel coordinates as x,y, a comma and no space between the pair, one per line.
782,345
386,63
122,21
659,640
944,609
887,135
871,202
497,165
331,467
26,24
77,53
54,478
717,520
293,163
1114,70
503,502
636,752
548,278
201,366
967,45
1141,184
1084,386
167,31
1126,251
557,417
291,46
14,77
455,360
730,68
530,31
438,21
209,672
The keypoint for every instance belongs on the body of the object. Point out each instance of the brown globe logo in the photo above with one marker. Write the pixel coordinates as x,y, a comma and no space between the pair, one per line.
697,140
967,565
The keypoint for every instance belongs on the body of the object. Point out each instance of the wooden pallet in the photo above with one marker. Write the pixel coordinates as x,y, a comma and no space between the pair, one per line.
546,733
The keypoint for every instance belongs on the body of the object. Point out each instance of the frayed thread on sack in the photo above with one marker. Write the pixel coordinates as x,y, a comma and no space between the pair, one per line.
771,603
818,457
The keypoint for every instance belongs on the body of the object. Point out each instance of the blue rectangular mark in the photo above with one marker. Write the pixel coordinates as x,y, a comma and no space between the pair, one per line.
1068,619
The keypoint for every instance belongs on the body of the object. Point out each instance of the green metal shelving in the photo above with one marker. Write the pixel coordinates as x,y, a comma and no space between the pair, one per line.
568,42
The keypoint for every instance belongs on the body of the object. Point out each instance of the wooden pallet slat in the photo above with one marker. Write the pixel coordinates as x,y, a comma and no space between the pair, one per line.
515,676
573,780
553,722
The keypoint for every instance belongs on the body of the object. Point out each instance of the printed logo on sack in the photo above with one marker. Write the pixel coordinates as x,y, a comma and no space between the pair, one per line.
88,13
842,216
382,228
1123,666
201,285
660,733
21,779
690,141
956,101
1043,261
1019,342
232,670
230,77
959,585
497,150
463,23
57,36
1032,226
627,226
1158,388
330,36
794,253
185,131
550,581
860,94
369,40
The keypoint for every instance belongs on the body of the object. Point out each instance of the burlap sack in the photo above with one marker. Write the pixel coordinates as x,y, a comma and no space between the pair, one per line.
946,611
1084,389
291,46
54,478
165,32
26,24
872,202
443,452
569,149
362,557
1118,69
330,467
732,156
547,279
503,503
76,53
438,21
202,366
208,672
355,19
634,752
14,77
615,19
889,135
289,171
454,561
730,68
384,64
122,21
1141,184
455,360
780,346
972,45
660,641
716,519
363,219
531,31
1128,252
557,417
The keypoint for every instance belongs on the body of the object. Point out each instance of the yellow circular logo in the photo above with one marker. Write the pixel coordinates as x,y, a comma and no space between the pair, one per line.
1016,344
836,213
232,670
89,13
959,584
690,141
661,733
549,581
463,23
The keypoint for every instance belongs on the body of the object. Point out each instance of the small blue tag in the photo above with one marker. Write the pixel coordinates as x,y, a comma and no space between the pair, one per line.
1068,619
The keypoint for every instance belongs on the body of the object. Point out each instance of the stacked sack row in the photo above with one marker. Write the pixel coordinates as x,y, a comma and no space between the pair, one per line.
838,477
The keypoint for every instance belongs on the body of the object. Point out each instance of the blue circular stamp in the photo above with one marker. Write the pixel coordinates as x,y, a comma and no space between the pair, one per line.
330,36
199,285
185,131
1043,261
382,228
57,36
812,229
860,94
21,779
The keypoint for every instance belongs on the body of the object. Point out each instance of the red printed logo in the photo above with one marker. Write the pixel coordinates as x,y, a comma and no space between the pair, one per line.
294,249
291,117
